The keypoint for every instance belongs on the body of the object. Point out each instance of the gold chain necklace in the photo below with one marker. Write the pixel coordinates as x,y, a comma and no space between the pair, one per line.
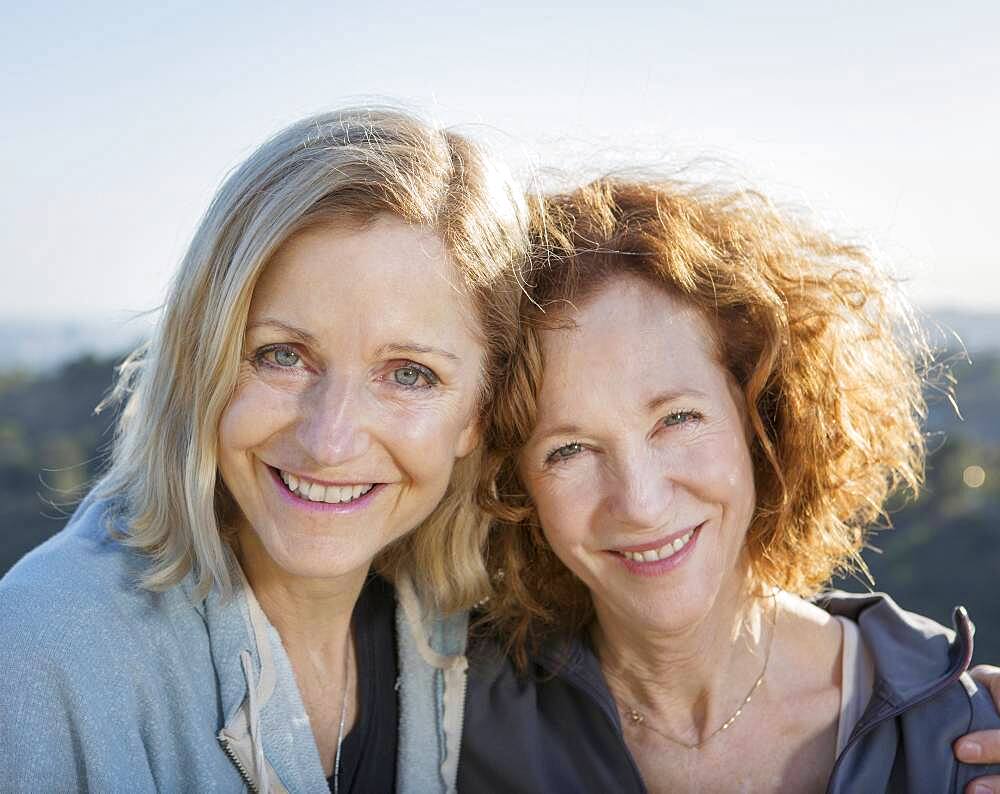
637,718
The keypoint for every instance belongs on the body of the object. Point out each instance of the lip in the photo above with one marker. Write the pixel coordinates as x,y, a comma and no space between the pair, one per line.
659,567
335,483
324,507
655,544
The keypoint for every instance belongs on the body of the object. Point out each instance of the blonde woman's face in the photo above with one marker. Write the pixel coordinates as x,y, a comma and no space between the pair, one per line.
639,465
356,395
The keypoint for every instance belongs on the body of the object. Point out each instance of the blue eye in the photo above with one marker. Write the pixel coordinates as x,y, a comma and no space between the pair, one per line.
406,376
279,356
680,418
564,452
409,376
285,358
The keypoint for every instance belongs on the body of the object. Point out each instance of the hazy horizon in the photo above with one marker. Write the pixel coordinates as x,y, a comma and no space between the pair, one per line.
38,345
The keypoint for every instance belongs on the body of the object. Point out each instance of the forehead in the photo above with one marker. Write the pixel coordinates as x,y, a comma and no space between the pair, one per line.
384,274
631,339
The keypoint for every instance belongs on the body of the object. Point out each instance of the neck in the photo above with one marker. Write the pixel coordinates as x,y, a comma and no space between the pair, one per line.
691,680
309,614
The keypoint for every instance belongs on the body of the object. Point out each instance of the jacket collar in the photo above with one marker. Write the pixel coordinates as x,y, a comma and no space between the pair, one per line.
574,660
432,667
265,727
913,655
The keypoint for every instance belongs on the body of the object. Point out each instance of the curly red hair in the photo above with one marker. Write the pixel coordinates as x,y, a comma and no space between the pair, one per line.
826,354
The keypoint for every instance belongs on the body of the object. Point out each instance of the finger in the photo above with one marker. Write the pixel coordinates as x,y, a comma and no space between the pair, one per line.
981,747
984,785
984,673
989,676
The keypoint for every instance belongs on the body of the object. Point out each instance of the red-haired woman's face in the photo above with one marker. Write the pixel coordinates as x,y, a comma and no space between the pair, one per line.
639,465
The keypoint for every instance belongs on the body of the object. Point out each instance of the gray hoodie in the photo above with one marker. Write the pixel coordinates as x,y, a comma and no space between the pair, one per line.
108,687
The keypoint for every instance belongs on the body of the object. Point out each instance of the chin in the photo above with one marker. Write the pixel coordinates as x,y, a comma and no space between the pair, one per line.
671,609
312,557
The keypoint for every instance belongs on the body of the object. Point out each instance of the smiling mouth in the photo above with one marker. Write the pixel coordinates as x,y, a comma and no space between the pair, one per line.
312,491
663,552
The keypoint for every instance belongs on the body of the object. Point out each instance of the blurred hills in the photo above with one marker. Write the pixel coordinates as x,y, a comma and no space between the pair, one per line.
38,346
944,548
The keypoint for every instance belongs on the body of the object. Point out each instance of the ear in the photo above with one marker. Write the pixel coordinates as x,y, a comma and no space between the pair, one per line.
470,437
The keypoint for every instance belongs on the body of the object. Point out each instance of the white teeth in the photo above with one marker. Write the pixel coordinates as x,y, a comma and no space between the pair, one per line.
339,493
331,494
666,550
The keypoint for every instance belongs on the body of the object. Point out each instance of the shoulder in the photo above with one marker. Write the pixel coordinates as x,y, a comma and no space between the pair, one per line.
923,698
92,662
75,602
810,637
911,652
81,573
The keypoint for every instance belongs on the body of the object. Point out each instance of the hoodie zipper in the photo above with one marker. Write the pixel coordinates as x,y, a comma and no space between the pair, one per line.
894,713
238,764
461,722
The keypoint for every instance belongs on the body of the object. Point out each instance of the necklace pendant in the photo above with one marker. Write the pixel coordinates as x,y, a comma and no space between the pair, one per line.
635,717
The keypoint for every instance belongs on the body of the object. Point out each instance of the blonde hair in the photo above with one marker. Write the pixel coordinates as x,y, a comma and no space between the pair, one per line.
349,164
824,350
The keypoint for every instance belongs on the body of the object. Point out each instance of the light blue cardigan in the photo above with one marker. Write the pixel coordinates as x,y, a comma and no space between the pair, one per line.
108,687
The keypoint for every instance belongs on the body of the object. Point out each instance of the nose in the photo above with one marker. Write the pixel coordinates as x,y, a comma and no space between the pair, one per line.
643,492
332,427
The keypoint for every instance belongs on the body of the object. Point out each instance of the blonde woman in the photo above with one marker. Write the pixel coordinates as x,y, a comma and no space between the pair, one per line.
710,404
296,453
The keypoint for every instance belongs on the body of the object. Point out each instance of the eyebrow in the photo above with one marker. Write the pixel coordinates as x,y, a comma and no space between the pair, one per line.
390,348
413,347
671,395
560,430
657,401
269,322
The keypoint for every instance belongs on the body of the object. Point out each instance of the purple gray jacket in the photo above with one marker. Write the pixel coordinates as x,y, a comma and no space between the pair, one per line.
558,730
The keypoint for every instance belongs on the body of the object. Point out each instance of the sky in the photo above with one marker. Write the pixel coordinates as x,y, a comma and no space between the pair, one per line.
119,121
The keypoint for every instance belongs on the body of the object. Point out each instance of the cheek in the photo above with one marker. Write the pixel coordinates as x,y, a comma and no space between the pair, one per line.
562,514
724,473
254,413
425,440
740,477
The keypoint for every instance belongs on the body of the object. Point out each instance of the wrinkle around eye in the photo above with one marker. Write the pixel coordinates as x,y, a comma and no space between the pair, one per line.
686,419
556,456
427,381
